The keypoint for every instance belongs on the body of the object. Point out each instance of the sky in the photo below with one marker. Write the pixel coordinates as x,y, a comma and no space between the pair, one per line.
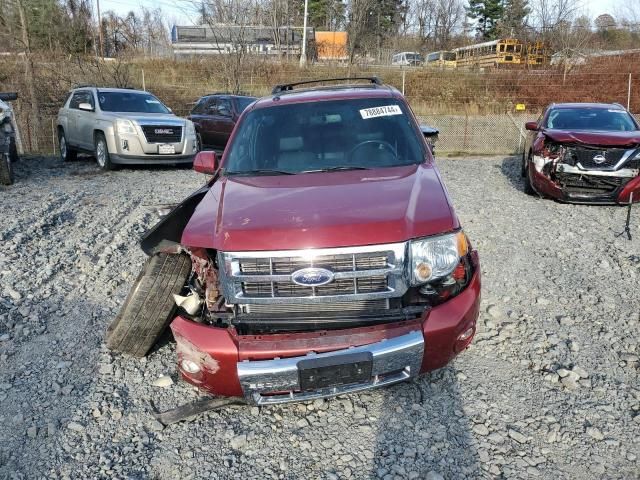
183,11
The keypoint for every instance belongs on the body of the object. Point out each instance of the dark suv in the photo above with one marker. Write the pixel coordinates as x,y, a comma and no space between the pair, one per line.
215,116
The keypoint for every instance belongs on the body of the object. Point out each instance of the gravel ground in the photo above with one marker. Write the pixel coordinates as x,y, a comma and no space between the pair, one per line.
548,389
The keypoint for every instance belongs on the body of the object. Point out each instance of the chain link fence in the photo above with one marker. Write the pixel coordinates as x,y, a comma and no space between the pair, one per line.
473,110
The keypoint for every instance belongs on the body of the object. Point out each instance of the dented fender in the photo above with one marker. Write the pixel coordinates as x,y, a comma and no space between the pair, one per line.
165,235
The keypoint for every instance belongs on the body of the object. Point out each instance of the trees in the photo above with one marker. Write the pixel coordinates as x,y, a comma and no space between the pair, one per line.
370,23
514,18
487,14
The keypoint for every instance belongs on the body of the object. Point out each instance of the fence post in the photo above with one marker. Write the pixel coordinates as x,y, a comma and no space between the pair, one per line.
466,131
629,92
144,87
53,135
403,77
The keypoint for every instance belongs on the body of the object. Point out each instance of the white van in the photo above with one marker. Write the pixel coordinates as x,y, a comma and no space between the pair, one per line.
407,58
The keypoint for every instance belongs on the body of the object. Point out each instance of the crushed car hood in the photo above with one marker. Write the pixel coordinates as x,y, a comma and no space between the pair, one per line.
321,210
605,139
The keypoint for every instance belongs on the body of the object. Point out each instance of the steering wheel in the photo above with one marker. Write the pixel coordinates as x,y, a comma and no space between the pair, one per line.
384,144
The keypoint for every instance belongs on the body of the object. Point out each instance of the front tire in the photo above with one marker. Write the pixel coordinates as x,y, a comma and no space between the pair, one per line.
150,305
528,188
101,152
67,154
6,172
13,150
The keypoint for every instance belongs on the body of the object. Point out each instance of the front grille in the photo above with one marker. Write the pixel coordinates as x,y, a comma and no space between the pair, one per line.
343,286
587,157
288,265
590,184
359,273
162,133
310,308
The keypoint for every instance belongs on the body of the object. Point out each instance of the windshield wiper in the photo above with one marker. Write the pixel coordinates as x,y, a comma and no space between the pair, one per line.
335,169
259,172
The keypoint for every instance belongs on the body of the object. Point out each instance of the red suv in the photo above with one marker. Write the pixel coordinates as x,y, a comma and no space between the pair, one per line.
585,153
214,117
322,257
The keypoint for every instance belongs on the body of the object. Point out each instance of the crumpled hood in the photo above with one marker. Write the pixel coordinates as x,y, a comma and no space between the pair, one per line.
605,139
321,210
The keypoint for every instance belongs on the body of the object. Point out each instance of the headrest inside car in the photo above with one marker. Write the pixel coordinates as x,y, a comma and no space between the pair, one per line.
290,144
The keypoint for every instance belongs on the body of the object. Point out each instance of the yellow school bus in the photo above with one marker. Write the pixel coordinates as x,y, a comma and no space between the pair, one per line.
537,54
441,59
496,53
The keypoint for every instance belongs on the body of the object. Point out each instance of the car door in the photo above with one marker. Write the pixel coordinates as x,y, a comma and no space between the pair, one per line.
223,122
197,116
86,120
71,131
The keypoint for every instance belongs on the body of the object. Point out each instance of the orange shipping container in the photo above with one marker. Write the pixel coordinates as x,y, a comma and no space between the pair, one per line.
331,45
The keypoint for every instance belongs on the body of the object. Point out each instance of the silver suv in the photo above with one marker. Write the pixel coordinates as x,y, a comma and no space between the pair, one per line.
122,126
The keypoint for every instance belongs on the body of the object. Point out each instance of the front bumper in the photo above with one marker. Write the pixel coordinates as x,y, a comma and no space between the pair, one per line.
134,149
151,159
545,186
264,368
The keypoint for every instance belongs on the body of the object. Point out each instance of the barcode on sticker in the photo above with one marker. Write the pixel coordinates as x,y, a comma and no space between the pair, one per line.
384,111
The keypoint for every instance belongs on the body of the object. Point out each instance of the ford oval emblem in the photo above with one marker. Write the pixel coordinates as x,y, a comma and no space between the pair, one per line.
312,277
599,159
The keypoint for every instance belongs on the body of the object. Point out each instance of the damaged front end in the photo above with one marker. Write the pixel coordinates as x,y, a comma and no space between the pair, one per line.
244,329
585,173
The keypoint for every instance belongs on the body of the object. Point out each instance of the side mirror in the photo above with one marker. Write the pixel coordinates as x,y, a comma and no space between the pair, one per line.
533,126
206,162
86,107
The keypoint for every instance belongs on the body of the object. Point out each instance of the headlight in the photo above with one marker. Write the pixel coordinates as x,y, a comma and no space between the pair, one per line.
125,126
191,131
437,257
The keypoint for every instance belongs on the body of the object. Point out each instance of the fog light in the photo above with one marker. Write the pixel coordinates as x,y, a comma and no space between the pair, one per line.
190,366
467,334
423,271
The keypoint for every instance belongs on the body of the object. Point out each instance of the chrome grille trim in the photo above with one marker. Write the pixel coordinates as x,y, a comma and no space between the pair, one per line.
263,271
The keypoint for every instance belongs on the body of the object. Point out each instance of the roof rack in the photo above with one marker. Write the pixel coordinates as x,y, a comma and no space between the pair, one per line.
286,87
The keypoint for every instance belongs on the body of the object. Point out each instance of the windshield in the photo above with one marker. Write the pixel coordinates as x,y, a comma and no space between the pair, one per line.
130,102
244,102
601,119
449,56
330,135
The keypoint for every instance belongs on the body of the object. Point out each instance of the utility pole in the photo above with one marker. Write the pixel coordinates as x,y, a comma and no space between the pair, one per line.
100,30
303,55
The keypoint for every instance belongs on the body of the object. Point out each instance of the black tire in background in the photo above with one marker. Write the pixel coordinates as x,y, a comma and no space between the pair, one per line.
6,172
13,150
67,154
150,306
528,188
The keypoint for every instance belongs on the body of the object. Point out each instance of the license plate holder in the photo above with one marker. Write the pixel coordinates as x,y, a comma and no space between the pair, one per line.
334,370
166,149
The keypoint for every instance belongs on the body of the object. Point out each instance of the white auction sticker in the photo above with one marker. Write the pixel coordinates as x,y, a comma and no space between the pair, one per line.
384,111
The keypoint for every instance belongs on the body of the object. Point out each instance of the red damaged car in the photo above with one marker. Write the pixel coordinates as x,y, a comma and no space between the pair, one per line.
583,153
322,257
